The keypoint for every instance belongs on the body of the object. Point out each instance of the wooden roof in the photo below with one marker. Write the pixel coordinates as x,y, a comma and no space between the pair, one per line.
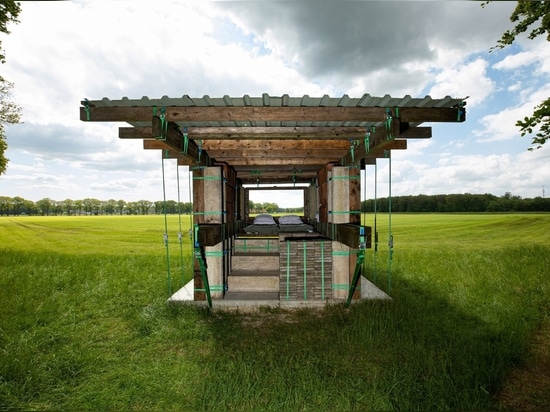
275,139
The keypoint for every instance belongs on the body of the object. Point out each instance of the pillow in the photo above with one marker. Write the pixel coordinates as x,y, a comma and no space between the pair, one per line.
264,220
290,220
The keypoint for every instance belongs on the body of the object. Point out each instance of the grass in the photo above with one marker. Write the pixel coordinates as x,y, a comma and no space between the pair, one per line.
85,325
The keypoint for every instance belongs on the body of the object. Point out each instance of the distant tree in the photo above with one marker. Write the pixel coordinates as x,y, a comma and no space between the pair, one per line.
10,113
534,16
5,202
79,205
91,206
144,206
121,204
68,206
45,205
110,206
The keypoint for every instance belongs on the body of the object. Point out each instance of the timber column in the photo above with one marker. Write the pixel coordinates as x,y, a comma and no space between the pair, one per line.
343,193
208,210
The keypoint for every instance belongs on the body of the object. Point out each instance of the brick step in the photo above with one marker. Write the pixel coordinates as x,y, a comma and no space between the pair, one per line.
256,245
252,296
255,262
253,281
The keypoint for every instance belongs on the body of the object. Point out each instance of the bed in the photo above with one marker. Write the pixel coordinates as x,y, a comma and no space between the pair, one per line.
293,224
264,224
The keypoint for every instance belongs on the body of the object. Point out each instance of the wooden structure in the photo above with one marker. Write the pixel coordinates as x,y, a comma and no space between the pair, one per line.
229,143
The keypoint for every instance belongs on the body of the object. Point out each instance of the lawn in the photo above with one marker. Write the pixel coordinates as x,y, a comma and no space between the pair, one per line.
85,324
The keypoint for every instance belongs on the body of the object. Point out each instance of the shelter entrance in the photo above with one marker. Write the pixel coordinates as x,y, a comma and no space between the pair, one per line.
230,145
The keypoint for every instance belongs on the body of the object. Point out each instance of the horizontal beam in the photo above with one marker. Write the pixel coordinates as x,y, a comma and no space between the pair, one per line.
307,135
271,114
275,153
173,137
276,132
270,144
274,162
135,133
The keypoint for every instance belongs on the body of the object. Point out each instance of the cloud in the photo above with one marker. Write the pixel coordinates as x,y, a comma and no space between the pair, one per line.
466,80
523,174
501,126
356,40
62,52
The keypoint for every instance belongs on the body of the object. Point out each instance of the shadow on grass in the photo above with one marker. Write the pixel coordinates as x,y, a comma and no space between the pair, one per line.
95,332
416,352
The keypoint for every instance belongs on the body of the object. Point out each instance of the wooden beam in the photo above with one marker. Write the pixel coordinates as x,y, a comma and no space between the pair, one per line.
275,153
271,144
277,132
346,233
381,145
220,134
415,133
167,152
251,114
173,137
298,161
135,133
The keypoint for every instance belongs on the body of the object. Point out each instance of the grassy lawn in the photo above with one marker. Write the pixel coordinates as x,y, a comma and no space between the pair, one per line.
84,324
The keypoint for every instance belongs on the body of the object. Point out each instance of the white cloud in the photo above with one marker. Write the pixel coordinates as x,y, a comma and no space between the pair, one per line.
62,52
468,79
501,126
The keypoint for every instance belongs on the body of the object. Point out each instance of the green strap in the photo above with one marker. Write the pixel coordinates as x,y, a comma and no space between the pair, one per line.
163,123
209,213
213,288
390,239
215,253
322,270
257,174
165,236
199,145
367,140
351,177
207,178
388,124
185,142
460,111
204,276
305,270
86,104
358,265
287,270
345,252
374,266
180,235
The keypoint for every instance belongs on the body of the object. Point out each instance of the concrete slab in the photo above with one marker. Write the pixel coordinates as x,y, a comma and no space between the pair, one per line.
255,300
370,291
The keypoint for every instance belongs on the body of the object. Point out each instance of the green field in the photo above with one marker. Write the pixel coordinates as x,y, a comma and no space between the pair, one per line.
85,326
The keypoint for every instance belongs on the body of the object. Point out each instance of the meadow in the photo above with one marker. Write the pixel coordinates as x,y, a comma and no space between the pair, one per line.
85,325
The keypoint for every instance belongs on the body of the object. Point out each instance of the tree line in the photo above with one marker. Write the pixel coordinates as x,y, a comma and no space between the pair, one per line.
473,203
467,202
17,206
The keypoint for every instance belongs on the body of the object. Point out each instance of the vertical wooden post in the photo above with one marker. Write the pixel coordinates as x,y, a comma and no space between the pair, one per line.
209,209
339,189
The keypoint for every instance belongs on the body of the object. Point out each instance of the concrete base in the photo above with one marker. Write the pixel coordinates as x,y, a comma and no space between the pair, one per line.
252,300
369,291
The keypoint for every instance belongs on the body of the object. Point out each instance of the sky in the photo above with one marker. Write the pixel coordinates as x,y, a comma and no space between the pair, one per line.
62,52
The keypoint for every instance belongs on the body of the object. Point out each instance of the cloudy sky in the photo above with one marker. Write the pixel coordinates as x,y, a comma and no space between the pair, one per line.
62,52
